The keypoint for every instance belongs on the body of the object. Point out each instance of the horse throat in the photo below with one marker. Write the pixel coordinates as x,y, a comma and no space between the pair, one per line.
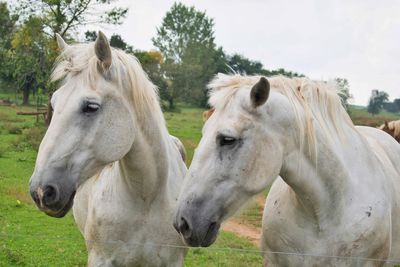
320,184
144,169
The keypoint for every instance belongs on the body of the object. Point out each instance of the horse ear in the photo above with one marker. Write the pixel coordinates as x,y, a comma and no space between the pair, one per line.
386,124
260,92
62,45
207,114
103,51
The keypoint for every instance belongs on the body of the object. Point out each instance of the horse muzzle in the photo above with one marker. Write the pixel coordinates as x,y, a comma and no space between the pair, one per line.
52,200
197,224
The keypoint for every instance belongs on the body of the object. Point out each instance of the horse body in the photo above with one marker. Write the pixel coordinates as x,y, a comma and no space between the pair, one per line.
337,198
392,128
108,152
125,219
362,220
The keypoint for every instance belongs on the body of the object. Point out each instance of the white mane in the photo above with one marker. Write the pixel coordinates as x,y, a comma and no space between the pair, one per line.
125,70
319,100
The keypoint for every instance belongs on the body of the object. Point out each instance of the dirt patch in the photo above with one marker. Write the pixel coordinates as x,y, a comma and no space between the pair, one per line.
261,201
253,234
248,230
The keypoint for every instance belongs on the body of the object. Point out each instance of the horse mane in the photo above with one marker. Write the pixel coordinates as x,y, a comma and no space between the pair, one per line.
125,70
319,100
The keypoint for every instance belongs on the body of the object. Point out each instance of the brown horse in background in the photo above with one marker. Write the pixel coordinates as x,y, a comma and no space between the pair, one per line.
392,128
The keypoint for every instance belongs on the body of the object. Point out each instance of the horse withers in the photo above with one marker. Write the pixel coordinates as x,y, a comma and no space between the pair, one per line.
335,195
107,153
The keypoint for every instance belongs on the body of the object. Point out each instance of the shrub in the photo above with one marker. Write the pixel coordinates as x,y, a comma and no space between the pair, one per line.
12,128
34,136
2,151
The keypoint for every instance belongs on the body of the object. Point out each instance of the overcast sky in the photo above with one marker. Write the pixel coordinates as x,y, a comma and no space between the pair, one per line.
354,39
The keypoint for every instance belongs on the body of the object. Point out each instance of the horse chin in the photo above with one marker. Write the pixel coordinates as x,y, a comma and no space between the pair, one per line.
63,211
211,236
208,239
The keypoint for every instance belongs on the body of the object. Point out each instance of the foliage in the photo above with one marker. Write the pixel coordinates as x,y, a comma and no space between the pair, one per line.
30,54
7,28
376,101
186,40
151,63
240,64
344,91
28,48
64,16
392,106
183,27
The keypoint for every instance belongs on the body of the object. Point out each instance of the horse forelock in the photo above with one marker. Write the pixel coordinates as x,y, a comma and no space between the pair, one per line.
318,100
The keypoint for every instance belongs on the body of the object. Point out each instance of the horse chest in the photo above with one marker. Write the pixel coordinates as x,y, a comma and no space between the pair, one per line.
361,231
131,236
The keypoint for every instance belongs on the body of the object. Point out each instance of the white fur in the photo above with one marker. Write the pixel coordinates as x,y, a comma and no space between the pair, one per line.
339,191
124,210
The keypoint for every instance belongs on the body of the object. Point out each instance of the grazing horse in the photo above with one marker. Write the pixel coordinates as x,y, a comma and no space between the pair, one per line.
392,128
338,194
108,153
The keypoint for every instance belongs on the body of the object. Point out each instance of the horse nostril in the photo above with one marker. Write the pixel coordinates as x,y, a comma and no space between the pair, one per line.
184,228
50,195
34,196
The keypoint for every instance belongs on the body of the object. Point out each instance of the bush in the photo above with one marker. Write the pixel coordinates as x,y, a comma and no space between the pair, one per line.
34,136
12,128
2,151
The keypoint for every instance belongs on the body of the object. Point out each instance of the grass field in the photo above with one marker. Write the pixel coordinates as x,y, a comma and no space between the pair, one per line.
30,238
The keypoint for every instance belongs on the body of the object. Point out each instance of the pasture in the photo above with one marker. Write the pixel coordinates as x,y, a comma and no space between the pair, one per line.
30,238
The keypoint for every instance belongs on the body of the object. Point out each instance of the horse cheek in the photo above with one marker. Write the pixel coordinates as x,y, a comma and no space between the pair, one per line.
116,135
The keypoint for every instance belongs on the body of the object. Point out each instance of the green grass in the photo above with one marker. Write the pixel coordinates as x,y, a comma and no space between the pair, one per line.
31,238
360,116
186,125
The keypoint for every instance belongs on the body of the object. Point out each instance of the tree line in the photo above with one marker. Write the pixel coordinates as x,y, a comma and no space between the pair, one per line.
379,101
186,58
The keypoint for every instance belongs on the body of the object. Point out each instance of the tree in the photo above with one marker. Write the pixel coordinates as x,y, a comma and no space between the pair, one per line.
396,102
55,16
115,41
90,36
181,27
29,56
7,28
186,40
64,16
240,64
376,101
151,62
282,71
344,91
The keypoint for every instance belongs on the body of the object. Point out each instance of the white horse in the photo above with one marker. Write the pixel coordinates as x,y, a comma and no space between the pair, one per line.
339,191
108,142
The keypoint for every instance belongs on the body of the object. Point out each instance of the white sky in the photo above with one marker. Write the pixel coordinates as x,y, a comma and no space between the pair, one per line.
354,39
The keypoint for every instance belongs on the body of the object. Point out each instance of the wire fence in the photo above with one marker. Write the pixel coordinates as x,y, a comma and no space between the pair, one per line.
219,254
322,259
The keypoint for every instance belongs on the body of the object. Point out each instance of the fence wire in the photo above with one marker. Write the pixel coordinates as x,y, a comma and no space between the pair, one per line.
360,260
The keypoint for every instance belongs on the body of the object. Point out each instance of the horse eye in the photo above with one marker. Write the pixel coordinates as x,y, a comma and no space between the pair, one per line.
90,107
226,141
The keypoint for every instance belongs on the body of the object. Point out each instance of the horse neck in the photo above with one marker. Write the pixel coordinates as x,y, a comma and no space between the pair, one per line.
144,169
321,182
